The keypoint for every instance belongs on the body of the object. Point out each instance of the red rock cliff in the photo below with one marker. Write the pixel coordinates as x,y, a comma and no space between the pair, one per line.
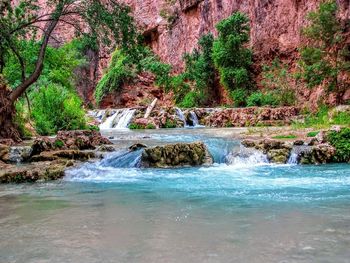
172,27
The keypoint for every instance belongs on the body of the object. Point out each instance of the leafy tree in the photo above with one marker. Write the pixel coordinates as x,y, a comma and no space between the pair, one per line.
57,108
230,55
105,23
200,70
323,59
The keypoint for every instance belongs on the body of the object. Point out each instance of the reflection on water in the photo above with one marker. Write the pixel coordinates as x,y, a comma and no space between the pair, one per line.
243,211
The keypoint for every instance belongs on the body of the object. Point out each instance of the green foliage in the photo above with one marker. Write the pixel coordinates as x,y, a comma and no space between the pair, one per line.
322,119
93,128
190,100
324,58
230,55
341,141
150,126
312,134
21,119
135,126
276,77
58,144
285,137
262,99
119,71
57,108
59,64
239,97
161,71
170,124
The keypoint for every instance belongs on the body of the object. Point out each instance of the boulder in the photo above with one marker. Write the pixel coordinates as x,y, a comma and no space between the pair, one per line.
64,154
78,140
176,155
4,152
276,151
42,171
137,146
280,156
19,154
318,154
84,139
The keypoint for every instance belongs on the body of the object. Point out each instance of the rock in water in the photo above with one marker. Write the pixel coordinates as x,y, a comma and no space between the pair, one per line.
176,155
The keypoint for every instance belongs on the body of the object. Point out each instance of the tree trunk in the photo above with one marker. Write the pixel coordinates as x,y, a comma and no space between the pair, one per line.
8,129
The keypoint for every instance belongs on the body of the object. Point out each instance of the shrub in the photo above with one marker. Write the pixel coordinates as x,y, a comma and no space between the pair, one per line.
230,55
239,97
119,71
57,108
190,100
262,99
21,119
276,77
170,124
135,126
150,126
341,141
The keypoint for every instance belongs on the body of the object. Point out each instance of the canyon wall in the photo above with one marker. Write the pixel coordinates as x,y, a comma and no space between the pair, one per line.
172,27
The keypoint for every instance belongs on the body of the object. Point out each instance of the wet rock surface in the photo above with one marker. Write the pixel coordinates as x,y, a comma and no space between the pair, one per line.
46,158
176,155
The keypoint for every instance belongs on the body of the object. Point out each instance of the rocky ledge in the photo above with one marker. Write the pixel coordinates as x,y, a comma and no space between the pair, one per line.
176,155
327,147
46,158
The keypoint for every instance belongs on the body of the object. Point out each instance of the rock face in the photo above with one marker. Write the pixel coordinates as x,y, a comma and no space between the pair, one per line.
242,117
176,155
173,27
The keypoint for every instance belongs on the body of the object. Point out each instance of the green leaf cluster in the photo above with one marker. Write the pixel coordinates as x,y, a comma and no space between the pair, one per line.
57,108
231,56
341,141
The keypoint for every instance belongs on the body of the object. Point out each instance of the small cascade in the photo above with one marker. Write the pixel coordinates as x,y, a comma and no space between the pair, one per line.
296,151
194,119
181,116
119,120
123,159
246,157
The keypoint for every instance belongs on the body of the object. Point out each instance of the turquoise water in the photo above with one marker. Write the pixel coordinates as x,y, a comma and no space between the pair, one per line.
242,209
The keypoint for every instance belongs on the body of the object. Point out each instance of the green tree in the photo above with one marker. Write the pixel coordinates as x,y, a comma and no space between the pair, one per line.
105,23
323,59
200,70
230,54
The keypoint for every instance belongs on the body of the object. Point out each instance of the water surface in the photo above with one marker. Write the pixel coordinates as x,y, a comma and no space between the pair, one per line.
242,209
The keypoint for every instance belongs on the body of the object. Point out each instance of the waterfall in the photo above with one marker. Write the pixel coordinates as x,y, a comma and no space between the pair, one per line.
296,151
119,120
181,116
194,118
246,157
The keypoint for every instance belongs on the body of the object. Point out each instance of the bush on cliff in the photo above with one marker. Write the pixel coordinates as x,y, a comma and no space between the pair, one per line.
57,108
325,58
278,81
120,70
231,57
341,141
259,99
